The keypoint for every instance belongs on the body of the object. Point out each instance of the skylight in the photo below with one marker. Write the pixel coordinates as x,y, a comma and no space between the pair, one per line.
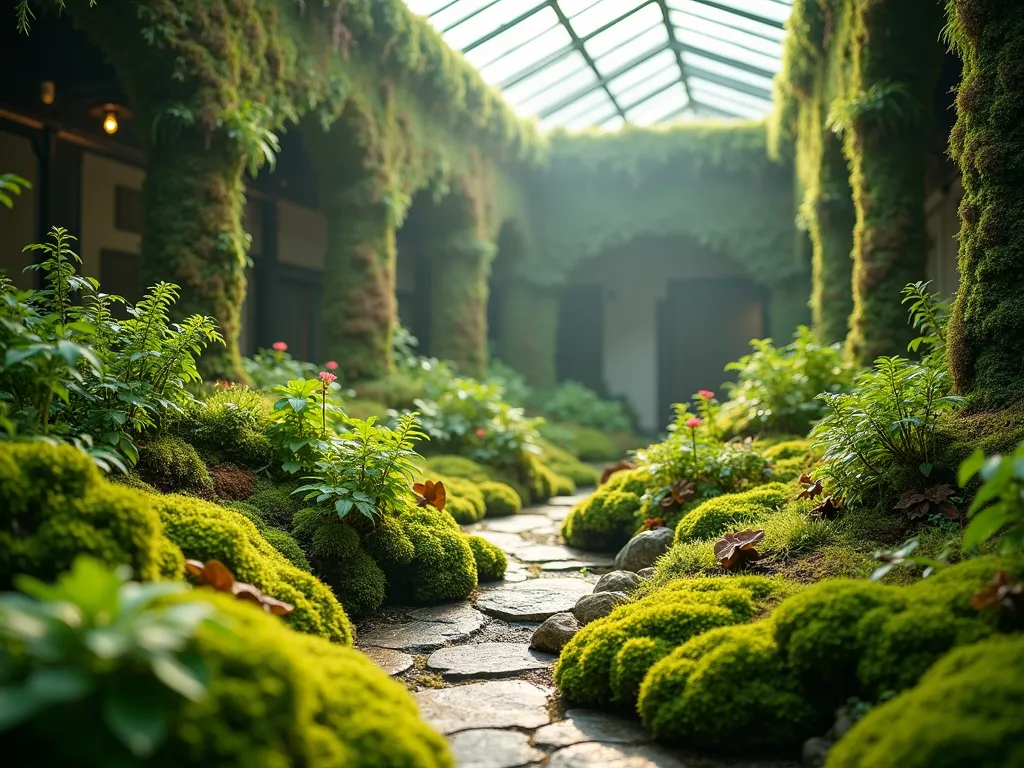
583,63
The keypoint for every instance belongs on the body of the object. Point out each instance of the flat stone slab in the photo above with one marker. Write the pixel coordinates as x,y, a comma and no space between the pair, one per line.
594,755
583,725
533,600
392,662
506,542
566,565
517,524
495,704
428,630
493,749
488,660
550,553
567,501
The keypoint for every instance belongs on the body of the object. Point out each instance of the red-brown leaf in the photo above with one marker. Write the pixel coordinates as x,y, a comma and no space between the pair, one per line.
735,549
813,490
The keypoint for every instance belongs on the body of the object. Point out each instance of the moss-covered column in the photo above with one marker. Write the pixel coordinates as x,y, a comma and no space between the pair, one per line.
986,332
787,308
887,117
527,334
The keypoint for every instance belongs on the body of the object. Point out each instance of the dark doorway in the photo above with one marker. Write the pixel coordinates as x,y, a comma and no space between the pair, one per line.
704,325
581,336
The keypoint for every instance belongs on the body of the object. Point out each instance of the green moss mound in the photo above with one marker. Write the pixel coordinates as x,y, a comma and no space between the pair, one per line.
205,531
725,690
491,562
722,514
602,664
965,711
171,465
461,467
337,557
607,519
231,427
388,544
500,500
288,547
276,504
562,462
55,505
442,568
466,502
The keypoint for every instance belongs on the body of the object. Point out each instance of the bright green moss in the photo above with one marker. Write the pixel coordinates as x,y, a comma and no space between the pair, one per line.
607,519
465,501
490,560
442,568
461,467
205,531
250,513
338,558
388,544
288,547
728,690
588,671
276,505
55,505
561,462
171,465
787,449
965,711
500,500
231,427
723,514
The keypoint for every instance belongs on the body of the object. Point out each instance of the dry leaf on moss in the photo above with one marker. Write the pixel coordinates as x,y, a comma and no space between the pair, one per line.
736,549
680,493
215,575
431,493
1001,594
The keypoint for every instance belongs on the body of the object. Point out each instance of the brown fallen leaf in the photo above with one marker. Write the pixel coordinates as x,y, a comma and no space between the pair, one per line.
431,493
215,575
829,509
680,493
813,490
1000,594
611,470
736,549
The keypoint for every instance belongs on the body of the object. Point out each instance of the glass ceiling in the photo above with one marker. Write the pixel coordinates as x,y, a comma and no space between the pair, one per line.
583,63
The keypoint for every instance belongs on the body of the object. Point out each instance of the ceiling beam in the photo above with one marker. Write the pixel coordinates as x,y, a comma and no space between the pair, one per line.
727,60
737,12
506,26
672,41
586,56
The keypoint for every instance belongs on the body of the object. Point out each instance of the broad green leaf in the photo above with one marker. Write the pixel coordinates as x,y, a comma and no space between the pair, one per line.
59,684
987,524
181,679
970,467
139,721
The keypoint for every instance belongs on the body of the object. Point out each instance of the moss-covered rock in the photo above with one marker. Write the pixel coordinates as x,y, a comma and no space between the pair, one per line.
288,547
276,504
964,711
490,560
388,544
602,664
55,505
205,531
500,500
337,556
722,514
608,518
465,501
231,427
728,690
442,568
171,465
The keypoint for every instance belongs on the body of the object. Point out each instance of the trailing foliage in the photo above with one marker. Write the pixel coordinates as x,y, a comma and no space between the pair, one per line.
573,403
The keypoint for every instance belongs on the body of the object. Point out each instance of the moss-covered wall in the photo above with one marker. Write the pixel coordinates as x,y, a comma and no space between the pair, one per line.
986,337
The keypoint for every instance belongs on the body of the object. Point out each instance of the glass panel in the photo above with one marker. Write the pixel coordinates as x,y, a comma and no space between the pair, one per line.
702,89
741,75
524,58
485,22
591,119
686,22
614,124
593,108
637,22
651,85
453,14
527,33
564,88
659,107
729,19
649,41
596,16
735,52
768,9
557,72
713,100
427,7
639,73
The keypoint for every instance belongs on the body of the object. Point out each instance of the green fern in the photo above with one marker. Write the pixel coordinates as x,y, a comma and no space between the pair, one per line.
61,273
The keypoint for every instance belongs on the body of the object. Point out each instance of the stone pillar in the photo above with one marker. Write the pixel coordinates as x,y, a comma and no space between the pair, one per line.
528,332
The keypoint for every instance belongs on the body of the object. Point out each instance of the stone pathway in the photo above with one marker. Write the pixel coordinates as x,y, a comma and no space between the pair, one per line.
478,682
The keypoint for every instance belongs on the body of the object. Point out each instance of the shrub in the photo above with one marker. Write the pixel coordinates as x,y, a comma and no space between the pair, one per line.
964,711
597,668
442,568
724,513
777,389
232,483
171,465
561,462
465,501
500,500
56,505
338,557
574,403
231,427
490,560
288,547
205,532
724,683
276,505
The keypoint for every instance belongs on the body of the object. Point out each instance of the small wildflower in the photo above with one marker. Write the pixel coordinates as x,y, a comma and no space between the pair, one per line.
332,365
280,346
693,423
481,433
705,394
327,377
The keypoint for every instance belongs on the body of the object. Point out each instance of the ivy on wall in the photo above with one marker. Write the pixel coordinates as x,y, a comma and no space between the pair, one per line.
986,336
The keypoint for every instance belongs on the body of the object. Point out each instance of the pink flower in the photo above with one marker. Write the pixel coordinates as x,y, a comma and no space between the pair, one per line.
280,346
332,365
693,423
327,378
705,394
481,433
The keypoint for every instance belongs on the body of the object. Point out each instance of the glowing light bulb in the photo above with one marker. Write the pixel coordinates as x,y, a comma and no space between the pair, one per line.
110,123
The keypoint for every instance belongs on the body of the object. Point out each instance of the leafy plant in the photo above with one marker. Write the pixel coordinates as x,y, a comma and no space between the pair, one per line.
369,470
885,105
882,435
95,652
929,315
905,556
270,368
998,506
935,500
574,403
11,184
299,423
513,384
777,388
1001,594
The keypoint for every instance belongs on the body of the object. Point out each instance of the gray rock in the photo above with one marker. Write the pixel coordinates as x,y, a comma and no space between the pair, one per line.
845,720
392,662
598,605
427,630
517,523
555,632
533,600
493,749
565,565
618,581
582,725
543,553
644,549
815,752
645,573
487,660
594,755
506,542
496,704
